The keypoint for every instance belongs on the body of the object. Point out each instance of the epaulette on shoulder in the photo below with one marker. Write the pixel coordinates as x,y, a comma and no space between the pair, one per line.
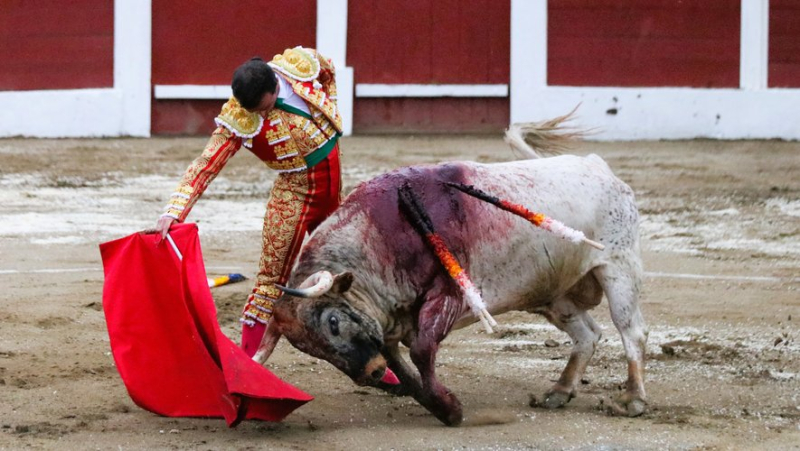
238,120
298,63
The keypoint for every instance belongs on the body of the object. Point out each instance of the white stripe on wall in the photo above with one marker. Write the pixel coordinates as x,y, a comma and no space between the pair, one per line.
164,92
133,22
673,113
332,43
381,90
199,92
528,74
754,44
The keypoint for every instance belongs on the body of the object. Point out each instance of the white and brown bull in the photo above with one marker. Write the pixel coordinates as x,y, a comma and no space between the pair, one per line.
366,280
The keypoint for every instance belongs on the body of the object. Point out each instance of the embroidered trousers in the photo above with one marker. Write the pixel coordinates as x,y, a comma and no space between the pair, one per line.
298,203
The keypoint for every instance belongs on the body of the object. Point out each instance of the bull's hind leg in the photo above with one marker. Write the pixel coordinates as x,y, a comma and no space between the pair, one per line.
576,322
621,281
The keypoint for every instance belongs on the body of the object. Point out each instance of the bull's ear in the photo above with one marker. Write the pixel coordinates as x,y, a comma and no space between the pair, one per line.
342,282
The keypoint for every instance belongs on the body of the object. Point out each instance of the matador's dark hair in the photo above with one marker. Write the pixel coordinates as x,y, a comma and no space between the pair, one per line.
251,81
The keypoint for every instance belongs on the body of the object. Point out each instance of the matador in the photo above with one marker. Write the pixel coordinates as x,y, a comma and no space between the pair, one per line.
285,112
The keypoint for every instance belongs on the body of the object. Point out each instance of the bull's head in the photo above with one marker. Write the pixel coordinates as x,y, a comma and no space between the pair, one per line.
318,320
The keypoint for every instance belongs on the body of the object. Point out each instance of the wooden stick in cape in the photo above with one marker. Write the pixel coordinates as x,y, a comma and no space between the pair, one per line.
537,219
416,215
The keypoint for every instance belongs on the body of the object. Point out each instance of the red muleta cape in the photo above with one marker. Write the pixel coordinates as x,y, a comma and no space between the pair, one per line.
166,341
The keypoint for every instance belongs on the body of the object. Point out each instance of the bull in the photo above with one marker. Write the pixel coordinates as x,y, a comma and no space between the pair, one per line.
366,282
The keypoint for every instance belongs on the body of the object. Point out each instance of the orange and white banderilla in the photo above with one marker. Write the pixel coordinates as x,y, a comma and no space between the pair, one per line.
538,219
415,212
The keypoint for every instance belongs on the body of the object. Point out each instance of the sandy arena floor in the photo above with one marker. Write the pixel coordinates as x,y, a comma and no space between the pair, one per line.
721,242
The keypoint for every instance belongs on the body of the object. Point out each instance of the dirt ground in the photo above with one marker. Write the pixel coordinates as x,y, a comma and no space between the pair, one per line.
721,244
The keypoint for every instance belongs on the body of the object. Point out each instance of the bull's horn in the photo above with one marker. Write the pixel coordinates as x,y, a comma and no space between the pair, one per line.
315,286
268,342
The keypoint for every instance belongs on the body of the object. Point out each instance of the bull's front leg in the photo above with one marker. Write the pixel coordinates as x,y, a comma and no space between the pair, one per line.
436,318
409,380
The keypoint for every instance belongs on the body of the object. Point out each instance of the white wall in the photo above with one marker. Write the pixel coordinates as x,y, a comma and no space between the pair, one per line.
123,110
752,111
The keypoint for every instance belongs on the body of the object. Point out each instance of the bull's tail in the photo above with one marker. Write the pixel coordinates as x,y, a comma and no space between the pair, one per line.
549,137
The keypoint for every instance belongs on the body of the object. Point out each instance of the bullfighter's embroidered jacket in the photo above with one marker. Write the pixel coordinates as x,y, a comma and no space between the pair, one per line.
286,139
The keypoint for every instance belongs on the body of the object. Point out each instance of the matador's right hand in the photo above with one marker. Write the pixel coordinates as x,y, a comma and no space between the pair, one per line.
163,225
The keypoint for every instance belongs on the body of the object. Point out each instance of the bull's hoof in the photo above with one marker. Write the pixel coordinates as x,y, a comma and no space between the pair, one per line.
627,406
451,419
448,412
552,400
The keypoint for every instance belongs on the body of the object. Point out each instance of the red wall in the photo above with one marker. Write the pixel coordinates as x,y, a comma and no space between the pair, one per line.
424,42
644,43
784,43
202,42
691,43
429,41
56,45
422,115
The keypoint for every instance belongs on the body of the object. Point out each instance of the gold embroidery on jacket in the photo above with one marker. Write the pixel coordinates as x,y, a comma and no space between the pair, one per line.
238,120
201,171
318,102
292,137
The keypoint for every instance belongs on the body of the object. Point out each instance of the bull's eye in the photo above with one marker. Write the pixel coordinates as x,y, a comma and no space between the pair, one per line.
334,323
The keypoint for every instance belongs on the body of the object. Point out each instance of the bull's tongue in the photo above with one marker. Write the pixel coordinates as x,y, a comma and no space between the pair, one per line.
390,378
